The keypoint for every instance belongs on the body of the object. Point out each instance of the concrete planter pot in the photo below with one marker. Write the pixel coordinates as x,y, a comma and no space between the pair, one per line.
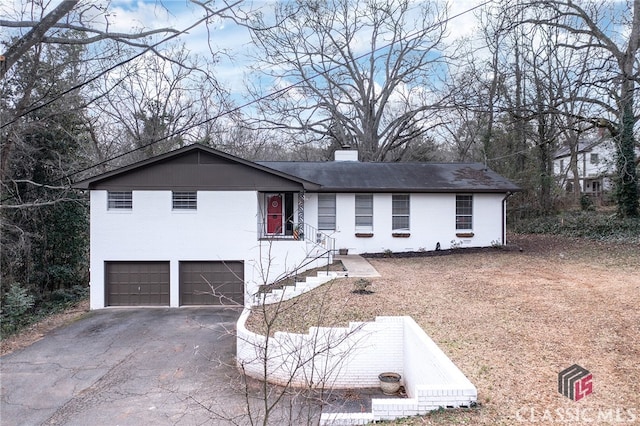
389,383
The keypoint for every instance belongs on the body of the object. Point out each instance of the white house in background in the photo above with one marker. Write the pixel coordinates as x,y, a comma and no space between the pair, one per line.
595,161
167,229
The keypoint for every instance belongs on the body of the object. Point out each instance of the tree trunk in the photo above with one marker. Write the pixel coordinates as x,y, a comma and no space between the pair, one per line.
627,182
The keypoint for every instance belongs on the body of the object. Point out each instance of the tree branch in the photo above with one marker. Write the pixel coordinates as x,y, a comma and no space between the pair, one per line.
34,36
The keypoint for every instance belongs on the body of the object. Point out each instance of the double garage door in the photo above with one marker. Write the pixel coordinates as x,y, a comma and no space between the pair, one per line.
148,283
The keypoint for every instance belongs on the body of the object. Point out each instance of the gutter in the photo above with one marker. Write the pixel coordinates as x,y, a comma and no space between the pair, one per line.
504,217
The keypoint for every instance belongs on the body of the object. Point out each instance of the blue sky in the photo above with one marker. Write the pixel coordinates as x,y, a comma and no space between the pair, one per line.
224,35
220,35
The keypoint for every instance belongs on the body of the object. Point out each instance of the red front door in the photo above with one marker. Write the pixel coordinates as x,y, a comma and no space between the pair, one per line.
274,214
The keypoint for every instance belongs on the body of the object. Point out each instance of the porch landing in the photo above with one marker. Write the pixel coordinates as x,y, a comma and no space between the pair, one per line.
357,266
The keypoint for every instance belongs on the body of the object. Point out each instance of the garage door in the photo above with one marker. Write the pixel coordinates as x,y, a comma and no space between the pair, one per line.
137,283
211,283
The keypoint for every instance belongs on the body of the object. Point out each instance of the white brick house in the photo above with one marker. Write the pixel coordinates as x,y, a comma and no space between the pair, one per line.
167,229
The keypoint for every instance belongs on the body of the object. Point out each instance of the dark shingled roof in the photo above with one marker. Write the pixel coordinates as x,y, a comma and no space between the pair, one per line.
352,176
326,176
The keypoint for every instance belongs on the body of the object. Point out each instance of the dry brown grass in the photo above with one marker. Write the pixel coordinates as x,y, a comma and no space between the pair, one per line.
512,320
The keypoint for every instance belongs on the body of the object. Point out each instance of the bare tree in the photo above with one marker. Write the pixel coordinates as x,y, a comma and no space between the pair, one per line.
284,378
75,23
152,105
612,78
48,72
356,72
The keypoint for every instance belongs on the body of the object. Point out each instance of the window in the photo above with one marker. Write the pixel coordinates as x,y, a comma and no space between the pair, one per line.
400,212
593,159
184,200
364,212
327,212
119,200
464,211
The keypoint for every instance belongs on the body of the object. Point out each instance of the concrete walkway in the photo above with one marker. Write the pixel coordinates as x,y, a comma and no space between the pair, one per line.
357,266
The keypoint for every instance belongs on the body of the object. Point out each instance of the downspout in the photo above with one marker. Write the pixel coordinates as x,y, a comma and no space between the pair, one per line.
504,217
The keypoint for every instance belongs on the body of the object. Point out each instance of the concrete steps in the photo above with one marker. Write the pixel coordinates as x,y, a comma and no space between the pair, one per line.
291,291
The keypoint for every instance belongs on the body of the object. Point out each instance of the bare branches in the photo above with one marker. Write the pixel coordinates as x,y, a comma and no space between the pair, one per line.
35,35
99,34
359,66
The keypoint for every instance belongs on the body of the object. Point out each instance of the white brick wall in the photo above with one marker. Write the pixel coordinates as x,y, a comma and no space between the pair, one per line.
352,357
440,209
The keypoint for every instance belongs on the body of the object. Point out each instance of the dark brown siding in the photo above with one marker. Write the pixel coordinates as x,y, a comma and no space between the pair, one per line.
137,283
211,283
198,171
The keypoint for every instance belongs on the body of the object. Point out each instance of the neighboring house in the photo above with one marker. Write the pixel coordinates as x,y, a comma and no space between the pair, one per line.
166,230
595,164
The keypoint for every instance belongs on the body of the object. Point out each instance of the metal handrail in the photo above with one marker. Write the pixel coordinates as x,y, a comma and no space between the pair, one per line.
309,233
318,237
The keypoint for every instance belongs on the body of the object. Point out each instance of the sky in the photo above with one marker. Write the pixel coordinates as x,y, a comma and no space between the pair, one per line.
220,35
227,36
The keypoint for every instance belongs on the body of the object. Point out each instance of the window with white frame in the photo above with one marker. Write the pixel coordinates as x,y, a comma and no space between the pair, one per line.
184,200
464,212
364,212
327,212
119,200
400,212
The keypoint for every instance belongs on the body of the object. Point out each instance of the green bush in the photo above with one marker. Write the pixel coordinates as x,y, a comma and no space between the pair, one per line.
586,203
72,294
585,224
19,309
17,304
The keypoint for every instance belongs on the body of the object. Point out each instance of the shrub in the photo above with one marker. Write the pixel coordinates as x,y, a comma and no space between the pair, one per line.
361,286
67,296
585,224
19,309
586,203
17,303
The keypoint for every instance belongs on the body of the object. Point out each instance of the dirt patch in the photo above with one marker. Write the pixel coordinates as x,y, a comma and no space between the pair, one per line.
36,331
511,320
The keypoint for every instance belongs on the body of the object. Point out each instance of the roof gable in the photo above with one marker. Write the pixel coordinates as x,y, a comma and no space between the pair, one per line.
195,167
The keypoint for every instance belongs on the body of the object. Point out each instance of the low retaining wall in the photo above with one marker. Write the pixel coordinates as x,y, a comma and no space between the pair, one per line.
352,357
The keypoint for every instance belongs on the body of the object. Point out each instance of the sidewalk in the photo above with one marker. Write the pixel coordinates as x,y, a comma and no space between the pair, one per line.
357,266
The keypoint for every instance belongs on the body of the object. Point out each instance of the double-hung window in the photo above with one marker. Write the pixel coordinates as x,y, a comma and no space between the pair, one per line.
464,212
400,212
364,212
184,200
119,200
327,212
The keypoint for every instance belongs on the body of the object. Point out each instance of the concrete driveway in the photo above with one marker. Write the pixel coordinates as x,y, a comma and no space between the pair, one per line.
126,367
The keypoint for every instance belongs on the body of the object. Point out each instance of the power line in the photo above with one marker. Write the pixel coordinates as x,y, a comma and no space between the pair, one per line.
276,93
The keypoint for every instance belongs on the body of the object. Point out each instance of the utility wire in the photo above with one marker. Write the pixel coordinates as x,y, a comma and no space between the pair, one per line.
272,94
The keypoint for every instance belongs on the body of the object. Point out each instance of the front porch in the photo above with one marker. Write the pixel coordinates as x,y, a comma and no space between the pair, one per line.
281,217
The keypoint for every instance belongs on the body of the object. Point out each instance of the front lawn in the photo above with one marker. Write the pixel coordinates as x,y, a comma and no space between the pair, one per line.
511,320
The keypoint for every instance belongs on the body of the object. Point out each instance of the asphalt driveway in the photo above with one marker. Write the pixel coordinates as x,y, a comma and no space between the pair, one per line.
125,367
